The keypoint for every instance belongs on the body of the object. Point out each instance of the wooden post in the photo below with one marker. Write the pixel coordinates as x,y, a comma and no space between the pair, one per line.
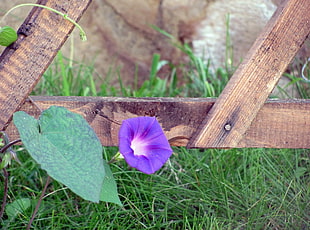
39,38
246,92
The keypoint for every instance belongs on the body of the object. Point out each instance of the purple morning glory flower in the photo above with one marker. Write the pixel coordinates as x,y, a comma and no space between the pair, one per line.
143,144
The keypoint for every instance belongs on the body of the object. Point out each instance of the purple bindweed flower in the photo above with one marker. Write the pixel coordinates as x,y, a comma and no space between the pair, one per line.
143,144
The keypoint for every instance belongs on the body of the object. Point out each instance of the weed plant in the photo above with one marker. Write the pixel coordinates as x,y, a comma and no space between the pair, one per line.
196,189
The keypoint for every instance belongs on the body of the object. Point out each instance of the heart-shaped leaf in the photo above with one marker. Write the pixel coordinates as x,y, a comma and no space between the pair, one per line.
109,189
66,147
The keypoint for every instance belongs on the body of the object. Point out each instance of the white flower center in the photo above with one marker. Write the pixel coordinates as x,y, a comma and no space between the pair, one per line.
138,146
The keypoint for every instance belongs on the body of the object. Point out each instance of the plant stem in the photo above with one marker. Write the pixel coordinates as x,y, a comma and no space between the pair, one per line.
5,192
65,16
9,145
39,203
116,158
5,172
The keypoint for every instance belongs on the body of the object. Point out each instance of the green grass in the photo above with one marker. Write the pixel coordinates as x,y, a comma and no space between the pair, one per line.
196,189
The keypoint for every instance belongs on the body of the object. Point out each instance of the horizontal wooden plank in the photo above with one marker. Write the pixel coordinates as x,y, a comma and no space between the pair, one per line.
279,124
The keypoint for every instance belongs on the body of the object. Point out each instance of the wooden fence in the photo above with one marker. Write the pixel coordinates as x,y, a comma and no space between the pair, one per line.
240,117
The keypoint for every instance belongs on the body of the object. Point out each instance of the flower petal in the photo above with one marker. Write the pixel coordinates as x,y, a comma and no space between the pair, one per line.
143,144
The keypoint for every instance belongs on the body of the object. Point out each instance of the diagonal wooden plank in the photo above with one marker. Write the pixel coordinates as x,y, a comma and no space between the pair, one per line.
39,38
255,78
279,124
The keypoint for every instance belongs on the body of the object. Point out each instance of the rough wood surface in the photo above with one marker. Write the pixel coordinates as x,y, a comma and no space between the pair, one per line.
246,92
279,124
39,38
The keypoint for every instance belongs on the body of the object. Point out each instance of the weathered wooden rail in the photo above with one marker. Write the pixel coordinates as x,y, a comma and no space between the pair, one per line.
279,124
239,118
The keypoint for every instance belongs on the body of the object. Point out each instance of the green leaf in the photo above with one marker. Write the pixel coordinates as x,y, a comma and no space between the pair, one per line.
299,172
109,189
17,207
6,160
7,36
66,147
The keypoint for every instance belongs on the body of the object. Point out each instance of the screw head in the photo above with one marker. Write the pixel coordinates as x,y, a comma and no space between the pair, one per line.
227,127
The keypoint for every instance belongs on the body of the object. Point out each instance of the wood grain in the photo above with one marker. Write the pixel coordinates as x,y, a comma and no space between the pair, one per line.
279,124
246,92
39,38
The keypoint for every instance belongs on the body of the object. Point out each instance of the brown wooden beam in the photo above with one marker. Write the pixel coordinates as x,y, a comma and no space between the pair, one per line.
279,124
228,122
39,39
